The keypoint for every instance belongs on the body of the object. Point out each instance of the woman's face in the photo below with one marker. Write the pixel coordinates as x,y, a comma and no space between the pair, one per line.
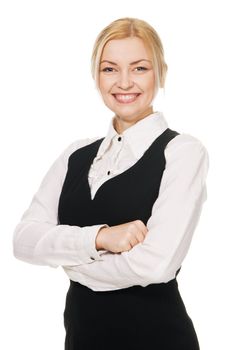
127,80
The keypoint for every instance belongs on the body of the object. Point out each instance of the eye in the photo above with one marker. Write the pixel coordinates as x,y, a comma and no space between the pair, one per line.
107,69
140,69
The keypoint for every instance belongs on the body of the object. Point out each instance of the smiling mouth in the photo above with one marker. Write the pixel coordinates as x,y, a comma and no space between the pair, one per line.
126,98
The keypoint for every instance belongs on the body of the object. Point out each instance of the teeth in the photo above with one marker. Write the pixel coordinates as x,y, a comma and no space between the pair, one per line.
126,98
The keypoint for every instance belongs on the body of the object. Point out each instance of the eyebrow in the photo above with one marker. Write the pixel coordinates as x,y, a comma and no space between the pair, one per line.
132,63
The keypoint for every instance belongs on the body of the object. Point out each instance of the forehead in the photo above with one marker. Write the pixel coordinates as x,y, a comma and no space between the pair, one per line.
132,48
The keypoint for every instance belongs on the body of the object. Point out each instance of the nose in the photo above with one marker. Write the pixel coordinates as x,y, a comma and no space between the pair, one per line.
125,82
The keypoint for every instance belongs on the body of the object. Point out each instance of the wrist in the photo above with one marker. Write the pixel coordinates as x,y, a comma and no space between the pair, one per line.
99,238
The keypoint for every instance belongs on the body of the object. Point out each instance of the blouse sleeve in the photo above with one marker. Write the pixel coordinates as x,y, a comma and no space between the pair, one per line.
39,239
174,217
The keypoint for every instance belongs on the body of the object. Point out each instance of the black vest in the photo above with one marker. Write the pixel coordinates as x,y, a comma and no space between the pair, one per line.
125,197
136,317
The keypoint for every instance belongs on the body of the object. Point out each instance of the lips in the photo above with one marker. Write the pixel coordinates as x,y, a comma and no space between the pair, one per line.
126,98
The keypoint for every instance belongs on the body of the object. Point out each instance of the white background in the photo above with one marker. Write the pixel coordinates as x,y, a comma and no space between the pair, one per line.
48,100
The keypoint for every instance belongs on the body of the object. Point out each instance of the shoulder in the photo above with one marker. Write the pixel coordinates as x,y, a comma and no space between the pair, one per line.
186,150
185,143
75,145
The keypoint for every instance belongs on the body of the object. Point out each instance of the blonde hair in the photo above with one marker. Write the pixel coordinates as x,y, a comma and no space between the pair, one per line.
131,27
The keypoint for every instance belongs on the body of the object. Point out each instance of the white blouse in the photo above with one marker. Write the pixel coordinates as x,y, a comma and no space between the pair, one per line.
39,239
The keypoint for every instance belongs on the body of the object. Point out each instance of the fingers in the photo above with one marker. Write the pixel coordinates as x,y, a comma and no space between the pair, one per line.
142,228
140,231
138,238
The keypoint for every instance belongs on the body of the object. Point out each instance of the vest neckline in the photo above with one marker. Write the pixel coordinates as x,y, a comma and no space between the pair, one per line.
122,174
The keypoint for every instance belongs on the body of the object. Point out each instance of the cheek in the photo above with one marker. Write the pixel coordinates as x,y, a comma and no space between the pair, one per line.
104,89
104,85
151,84
147,82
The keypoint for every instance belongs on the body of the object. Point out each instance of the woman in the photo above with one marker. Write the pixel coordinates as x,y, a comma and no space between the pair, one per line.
118,212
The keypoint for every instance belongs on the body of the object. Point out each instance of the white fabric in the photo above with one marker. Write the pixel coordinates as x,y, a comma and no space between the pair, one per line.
38,239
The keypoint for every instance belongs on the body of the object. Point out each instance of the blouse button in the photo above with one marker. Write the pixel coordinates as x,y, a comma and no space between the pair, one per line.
119,138
92,258
108,172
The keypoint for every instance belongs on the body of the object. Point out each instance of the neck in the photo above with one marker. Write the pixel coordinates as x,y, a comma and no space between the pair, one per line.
120,123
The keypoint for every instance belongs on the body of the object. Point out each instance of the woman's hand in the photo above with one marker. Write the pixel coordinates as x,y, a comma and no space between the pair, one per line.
121,238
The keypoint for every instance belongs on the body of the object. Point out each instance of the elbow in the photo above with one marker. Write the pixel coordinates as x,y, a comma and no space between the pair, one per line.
30,257
159,274
153,268
25,247
17,253
22,251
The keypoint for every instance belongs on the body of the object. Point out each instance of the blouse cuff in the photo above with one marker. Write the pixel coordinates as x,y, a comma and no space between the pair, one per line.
90,242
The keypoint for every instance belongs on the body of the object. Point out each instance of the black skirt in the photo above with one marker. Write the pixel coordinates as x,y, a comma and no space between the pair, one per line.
146,318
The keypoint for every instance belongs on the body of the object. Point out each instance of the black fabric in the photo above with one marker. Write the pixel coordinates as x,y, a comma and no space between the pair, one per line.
151,317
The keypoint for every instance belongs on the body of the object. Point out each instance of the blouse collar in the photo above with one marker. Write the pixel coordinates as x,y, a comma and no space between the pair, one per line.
139,136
